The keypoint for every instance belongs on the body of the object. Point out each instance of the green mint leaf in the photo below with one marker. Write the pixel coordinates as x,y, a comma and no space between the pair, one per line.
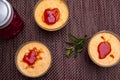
73,38
71,43
69,52
78,49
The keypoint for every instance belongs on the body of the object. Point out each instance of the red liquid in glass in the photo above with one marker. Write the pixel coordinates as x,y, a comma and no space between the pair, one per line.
13,28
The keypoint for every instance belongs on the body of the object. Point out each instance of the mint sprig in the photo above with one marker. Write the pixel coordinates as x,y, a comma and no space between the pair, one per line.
76,45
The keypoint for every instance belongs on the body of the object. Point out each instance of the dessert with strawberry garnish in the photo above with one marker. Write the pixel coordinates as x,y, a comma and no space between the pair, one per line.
104,49
33,59
51,15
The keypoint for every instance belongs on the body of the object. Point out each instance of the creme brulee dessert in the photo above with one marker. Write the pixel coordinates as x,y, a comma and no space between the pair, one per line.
33,59
104,49
51,15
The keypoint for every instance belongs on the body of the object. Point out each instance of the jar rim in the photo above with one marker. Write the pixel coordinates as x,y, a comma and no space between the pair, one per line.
6,13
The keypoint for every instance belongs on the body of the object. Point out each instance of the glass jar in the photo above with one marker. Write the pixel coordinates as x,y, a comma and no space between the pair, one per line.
10,21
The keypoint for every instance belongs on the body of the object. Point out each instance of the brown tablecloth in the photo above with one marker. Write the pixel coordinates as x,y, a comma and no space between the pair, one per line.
86,17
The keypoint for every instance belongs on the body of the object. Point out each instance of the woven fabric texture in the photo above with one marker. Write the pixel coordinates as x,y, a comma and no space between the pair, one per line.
86,17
